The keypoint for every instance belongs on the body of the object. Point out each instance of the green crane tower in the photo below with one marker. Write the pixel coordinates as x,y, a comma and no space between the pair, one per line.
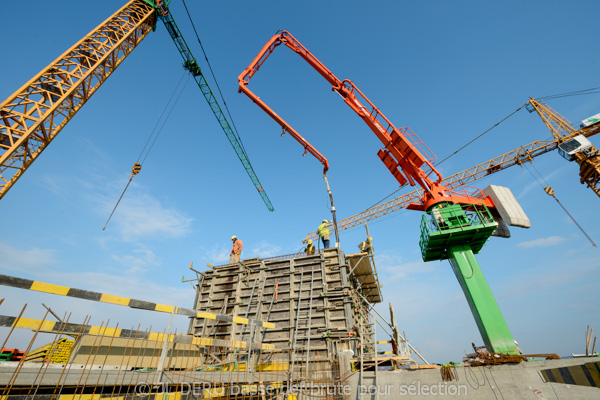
456,233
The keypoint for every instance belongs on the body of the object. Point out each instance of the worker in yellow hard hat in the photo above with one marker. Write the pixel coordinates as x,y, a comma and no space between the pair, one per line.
236,250
323,231
365,245
310,248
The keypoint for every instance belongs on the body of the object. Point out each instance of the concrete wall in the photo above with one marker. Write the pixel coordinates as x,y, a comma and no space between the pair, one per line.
509,382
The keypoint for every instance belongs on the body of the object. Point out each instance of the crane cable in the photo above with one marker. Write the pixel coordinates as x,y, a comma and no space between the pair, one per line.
554,96
137,166
161,116
550,192
394,192
215,79
477,137
573,93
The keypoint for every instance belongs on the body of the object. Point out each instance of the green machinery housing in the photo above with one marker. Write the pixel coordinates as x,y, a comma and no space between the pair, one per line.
457,232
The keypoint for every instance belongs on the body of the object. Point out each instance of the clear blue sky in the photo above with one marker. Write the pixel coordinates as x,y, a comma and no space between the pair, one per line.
448,70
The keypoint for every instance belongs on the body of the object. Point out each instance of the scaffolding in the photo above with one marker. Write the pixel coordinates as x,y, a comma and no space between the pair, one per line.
260,329
318,303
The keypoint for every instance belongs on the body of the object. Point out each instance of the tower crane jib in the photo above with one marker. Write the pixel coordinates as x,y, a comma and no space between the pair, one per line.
32,117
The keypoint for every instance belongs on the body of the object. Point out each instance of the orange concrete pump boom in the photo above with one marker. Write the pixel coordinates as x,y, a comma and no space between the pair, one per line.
253,68
403,153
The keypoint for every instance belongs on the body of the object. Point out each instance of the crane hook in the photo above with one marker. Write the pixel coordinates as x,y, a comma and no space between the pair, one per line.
136,169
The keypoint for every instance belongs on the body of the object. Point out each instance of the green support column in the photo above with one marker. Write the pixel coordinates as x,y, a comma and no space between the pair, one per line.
489,319
456,233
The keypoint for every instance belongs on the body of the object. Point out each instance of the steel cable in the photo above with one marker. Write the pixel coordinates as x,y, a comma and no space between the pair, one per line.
214,77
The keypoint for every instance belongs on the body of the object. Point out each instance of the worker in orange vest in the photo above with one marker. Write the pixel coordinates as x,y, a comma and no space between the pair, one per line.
236,250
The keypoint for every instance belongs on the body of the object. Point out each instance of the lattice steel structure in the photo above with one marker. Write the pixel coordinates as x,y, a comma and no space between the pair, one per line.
36,113
561,131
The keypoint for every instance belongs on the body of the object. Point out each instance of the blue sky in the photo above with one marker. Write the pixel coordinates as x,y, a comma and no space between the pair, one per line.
448,70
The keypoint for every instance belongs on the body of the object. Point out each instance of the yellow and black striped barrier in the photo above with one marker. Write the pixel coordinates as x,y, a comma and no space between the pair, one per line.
77,329
51,288
587,374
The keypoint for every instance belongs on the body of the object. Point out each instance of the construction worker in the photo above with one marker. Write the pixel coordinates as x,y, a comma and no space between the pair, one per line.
236,250
323,231
310,248
438,217
365,245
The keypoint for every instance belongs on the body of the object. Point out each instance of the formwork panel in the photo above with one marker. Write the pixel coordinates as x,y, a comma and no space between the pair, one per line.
292,293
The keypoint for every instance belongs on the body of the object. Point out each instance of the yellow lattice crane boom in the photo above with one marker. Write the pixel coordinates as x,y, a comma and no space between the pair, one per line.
32,117
562,132
572,143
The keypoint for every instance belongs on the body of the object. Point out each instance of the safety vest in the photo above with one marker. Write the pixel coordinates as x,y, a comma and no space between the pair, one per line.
310,249
364,246
237,247
323,231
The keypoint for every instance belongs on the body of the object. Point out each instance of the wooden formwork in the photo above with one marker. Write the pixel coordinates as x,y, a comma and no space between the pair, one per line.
311,299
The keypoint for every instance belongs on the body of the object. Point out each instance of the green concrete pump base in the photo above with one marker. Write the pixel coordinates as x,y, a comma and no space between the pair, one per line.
492,326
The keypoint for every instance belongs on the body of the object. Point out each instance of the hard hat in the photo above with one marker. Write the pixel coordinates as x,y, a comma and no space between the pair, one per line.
370,238
309,241
233,237
324,221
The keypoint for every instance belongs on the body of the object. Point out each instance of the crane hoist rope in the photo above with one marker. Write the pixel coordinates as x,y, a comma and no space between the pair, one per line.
550,192
191,65
165,108
165,119
137,166
38,111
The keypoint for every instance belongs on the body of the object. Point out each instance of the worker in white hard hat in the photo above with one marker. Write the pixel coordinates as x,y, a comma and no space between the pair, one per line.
310,248
236,250
323,231
365,245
